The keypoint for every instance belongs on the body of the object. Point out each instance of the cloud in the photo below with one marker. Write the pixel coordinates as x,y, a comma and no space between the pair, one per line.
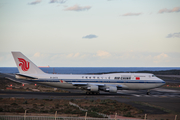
144,58
132,14
90,36
40,55
58,1
37,54
54,57
53,1
35,2
165,10
73,55
76,55
128,55
1,58
77,8
161,58
173,35
62,1
103,54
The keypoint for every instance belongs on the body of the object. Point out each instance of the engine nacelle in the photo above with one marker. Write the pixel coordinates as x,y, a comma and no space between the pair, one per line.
93,88
111,89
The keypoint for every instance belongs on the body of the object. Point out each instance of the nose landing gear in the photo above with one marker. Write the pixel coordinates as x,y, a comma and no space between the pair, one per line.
148,92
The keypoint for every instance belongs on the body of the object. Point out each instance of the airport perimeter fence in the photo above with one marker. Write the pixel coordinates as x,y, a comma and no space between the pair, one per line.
4,117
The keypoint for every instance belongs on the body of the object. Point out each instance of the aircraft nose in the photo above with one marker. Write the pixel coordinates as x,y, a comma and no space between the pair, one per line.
163,82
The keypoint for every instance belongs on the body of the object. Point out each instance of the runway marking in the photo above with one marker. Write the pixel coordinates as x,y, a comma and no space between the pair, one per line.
146,95
160,96
136,95
166,90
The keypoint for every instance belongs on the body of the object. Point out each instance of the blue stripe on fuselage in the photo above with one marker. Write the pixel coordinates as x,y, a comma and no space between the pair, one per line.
101,81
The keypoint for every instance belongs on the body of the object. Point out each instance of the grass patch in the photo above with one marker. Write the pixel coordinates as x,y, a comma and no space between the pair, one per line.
153,106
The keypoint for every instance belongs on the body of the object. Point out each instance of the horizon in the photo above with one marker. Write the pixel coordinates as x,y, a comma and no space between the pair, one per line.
98,67
84,70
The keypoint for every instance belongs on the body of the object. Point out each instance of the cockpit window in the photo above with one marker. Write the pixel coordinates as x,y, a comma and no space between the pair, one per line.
153,76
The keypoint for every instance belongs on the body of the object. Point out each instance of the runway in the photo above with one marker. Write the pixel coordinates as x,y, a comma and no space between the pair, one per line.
157,92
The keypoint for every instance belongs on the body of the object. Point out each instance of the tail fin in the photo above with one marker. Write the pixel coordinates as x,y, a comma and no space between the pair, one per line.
24,65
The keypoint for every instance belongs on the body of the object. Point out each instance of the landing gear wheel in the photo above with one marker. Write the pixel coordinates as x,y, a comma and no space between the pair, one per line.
96,93
148,92
92,93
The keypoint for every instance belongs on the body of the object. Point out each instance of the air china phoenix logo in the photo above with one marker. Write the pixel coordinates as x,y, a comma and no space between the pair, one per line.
24,64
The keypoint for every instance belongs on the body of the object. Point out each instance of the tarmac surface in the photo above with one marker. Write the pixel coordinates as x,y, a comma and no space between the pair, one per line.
163,99
154,93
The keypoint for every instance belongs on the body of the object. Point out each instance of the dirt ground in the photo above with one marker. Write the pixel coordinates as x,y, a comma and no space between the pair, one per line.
19,105
48,107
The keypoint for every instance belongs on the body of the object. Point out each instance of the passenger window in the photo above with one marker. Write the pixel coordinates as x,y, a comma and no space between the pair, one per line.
125,78
86,77
116,77
89,77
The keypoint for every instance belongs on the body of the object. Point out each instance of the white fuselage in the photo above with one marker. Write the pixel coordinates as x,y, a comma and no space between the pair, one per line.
126,80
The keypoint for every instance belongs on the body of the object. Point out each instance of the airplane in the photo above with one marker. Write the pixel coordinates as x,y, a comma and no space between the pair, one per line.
92,84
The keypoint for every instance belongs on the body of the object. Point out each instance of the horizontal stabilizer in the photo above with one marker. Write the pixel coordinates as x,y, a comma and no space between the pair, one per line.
18,81
21,75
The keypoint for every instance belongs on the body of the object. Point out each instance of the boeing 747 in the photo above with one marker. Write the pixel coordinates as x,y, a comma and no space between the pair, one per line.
92,84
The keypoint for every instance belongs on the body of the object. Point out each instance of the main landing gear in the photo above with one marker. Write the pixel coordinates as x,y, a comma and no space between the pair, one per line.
92,93
148,92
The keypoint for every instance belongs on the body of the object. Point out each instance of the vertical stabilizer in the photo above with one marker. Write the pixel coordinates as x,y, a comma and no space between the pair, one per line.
24,65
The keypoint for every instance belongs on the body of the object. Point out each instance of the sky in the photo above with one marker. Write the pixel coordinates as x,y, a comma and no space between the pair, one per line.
91,33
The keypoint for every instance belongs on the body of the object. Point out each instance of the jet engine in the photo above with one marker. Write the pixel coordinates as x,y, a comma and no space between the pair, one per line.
93,88
111,89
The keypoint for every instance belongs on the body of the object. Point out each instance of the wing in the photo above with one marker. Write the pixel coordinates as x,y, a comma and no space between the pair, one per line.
86,84
95,87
